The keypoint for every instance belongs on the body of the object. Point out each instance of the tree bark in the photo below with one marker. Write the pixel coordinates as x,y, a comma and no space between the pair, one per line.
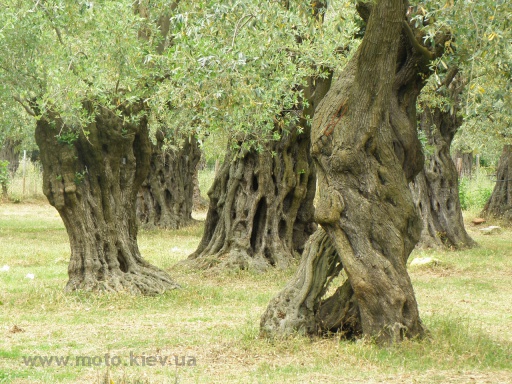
199,202
500,202
166,197
261,207
435,189
93,183
464,164
261,203
366,150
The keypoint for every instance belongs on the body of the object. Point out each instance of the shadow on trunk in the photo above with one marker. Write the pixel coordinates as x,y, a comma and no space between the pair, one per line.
166,197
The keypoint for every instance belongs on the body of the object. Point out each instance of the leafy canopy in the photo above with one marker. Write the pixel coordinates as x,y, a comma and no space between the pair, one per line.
229,66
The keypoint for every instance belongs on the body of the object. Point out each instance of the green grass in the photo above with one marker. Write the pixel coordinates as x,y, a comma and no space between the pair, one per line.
465,302
474,192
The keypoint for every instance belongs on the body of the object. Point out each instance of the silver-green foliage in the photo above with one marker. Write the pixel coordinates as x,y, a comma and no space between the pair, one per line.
227,65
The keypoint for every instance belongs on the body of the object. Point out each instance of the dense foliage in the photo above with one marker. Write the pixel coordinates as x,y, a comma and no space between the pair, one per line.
227,66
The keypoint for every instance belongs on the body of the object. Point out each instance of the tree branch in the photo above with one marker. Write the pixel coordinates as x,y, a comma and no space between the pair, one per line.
27,108
239,27
415,43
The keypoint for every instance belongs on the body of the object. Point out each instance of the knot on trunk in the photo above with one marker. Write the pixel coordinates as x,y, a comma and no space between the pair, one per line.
329,207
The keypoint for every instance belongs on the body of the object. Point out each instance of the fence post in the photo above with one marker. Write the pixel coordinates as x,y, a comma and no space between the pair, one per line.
24,170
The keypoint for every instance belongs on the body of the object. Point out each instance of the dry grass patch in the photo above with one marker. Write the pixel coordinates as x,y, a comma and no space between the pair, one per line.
465,302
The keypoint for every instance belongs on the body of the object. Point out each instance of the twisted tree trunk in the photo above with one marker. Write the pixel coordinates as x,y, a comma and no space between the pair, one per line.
261,207
500,202
93,183
261,203
166,197
436,188
366,151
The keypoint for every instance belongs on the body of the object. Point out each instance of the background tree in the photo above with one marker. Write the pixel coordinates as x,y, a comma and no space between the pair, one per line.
261,202
500,202
166,198
484,56
436,188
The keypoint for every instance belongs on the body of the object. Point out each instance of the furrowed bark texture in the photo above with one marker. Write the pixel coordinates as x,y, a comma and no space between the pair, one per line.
435,189
366,150
261,204
93,184
166,197
500,202
261,207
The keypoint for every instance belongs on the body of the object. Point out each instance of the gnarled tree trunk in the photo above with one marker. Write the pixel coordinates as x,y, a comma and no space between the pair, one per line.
93,183
366,150
166,197
261,207
435,189
500,202
261,203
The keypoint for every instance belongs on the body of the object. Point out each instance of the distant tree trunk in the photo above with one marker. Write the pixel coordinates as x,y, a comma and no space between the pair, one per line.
93,184
463,163
500,202
199,202
9,152
366,150
261,204
435,189
166,197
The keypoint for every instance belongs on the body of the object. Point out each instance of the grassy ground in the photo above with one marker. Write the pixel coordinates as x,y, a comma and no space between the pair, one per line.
466,302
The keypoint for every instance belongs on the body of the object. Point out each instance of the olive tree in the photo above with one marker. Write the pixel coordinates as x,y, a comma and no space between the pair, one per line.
86,72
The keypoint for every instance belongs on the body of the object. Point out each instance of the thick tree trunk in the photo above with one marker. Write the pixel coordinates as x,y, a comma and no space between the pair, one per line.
166,197
261,207
500,202
93,184
261,204
302,306
435,189
366,150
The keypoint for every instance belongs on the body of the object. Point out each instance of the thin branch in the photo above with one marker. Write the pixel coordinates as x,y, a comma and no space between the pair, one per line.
27,108
239,27
56,29
415,43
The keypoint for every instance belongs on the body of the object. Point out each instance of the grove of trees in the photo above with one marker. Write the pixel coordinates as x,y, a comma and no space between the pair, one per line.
339,120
